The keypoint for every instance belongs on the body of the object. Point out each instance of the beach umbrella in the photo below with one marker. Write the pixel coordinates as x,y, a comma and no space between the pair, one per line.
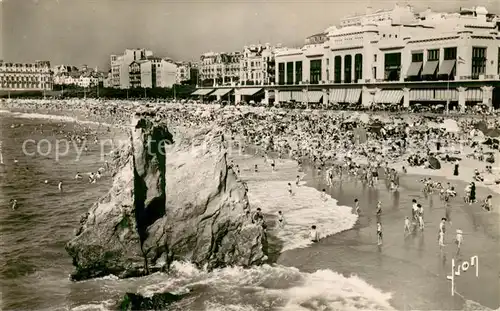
481,125
434,163
450,125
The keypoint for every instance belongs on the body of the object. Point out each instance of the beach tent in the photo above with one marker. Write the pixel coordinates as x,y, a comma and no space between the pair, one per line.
434,163
492,132
450,125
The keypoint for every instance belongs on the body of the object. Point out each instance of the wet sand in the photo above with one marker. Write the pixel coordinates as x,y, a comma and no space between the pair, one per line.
412,268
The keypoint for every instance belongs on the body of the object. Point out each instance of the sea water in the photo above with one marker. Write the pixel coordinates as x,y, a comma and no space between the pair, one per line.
35,266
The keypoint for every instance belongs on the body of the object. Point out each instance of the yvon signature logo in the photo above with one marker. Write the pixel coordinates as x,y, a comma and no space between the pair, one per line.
456,270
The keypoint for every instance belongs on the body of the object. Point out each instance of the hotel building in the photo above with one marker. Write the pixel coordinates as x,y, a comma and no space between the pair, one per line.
217,69
257,66
394,56
25,76
152,72
120,66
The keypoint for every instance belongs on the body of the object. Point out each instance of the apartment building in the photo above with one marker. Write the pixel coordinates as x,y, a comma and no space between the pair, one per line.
257,66
25,76
219,68
152,72
120,66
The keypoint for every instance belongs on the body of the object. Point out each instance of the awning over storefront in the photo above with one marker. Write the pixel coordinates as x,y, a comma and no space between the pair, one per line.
414,69
314,96
298,96
337,96
284,96
445,94
221,92
202,92
388,97
474,94
352,96
249,91
430,67
422,94
447,67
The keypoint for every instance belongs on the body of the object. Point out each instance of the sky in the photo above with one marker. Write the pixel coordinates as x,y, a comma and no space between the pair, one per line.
77,32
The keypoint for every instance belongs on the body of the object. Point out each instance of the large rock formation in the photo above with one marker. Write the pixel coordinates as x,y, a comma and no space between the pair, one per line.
173,198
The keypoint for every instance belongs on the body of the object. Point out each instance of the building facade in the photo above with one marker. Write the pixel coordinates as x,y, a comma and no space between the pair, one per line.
257,66
26,76
183,72
120,66
398,56
153,72
219,68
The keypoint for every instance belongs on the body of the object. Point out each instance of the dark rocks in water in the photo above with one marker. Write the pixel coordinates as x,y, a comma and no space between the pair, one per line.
170,200
159,301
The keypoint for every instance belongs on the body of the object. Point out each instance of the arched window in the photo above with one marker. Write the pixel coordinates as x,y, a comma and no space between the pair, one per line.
358,67
347,69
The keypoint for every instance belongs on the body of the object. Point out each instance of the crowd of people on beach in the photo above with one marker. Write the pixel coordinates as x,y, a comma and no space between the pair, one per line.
339,145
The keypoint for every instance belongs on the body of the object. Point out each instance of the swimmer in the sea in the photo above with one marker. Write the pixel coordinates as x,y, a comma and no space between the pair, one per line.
356,206
13,204
273,164
290,189
60,186
407,229
379,233
313,234
297,181
256,169
281,219
78,176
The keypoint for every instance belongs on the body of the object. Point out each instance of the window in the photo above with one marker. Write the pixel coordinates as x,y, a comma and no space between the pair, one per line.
358,67
478,62
498,63
327,74
432,55
281,73
347,68
315,71
417,57
374,57
338,69
450,53
392,66
289,73
298,72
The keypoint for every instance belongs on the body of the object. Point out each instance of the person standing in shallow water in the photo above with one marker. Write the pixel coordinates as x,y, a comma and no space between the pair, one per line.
472,197
455,170
379,233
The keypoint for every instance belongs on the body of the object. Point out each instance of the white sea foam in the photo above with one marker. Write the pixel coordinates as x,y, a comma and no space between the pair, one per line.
306,207
273,287
51,117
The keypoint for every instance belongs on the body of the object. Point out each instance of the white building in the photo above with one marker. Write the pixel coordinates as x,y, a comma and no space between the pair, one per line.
396,56
183,72
120,66
220,68
257,66
152,72
25,76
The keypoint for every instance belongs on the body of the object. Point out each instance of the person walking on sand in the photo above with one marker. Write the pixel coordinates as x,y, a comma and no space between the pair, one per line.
379,233
407,229
420,214
297,181
441,240
458,241
379,209
324,195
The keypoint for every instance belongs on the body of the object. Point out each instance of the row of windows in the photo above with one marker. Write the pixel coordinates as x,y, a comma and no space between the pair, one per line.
23,85
23,79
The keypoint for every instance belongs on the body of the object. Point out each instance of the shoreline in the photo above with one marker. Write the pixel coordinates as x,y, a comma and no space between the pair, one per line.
331,238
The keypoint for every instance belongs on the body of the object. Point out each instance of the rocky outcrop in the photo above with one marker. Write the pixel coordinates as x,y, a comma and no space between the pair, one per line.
173,198
159,301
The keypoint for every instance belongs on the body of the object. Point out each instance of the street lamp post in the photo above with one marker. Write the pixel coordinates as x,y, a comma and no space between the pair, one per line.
448,97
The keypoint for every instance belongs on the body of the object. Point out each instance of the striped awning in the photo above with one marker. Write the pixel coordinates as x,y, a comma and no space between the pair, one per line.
430,67
414,69
337,96
352,96
298,96
447,67
474,94
202,92
249,91
388,97
422,94
445,94
221,92
314,96
284,96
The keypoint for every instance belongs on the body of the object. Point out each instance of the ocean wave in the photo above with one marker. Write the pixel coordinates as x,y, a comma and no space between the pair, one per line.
24,115
276,287
306,207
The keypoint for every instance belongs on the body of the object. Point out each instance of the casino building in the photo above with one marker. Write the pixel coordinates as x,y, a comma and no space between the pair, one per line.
25,76
395,57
